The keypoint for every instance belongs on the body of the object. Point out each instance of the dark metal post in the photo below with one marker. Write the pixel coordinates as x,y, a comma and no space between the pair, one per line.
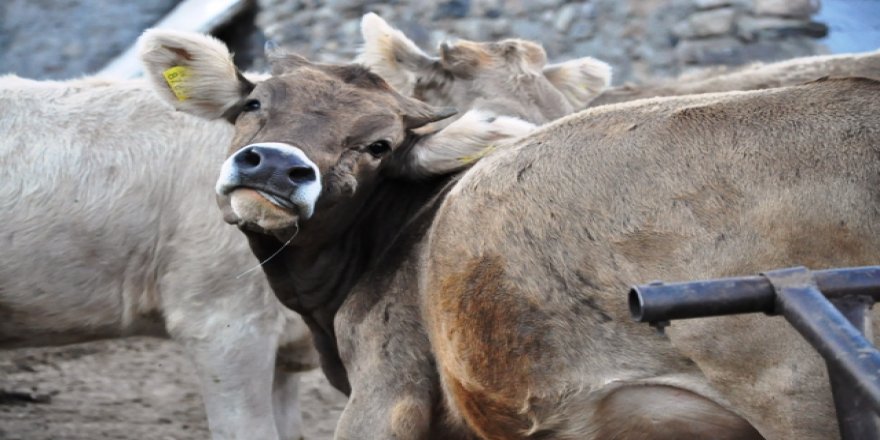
844,348
841,334
856,418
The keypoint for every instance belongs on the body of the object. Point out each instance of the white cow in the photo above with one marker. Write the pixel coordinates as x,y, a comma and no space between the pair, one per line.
109,229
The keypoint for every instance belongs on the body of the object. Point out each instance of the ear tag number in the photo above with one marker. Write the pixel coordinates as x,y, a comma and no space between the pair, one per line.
175,78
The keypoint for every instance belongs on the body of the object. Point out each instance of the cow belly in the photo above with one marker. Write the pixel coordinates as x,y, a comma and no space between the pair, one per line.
61,295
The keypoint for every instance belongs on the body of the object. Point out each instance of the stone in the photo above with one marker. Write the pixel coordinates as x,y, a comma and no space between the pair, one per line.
565,17
771,51
515,8
712,4
756,28
581,30
710,23
786,8
588,10
452,9
50,39
344,5
527,29
471,29
720,50
538,6
351,27
642,39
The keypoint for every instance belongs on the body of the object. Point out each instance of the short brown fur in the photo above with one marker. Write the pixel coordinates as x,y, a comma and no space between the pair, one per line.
480,291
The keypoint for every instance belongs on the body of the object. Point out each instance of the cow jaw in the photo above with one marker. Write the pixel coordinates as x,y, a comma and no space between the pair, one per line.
253,207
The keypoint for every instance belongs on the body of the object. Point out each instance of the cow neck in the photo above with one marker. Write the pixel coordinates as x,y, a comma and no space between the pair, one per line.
316,280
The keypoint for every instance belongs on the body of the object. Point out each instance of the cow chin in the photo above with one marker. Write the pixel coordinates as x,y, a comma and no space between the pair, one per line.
251,208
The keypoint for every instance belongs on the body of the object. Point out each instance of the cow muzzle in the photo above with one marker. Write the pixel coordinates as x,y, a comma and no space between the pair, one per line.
271,185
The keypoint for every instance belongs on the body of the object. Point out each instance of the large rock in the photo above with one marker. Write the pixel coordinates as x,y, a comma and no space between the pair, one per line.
711,4
786,8
757,28
710,51
709,23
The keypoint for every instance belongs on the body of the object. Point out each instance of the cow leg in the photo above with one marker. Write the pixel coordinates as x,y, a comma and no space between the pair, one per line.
660,412
235,361
296,354
285,402
373,413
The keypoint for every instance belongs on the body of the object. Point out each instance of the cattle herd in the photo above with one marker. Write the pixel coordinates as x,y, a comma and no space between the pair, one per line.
450,237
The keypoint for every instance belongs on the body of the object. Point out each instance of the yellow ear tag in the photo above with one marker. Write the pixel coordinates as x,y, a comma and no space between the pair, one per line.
469,159
175,78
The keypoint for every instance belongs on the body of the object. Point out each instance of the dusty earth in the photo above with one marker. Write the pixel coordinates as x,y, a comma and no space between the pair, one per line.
136,388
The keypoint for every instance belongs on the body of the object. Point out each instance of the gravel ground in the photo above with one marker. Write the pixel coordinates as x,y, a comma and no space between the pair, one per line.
136,388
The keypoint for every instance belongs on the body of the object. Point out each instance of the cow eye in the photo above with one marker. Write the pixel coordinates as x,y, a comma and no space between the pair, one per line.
251,105
378,148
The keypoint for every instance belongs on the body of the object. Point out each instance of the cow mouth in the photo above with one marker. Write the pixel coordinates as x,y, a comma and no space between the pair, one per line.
277,200
263,209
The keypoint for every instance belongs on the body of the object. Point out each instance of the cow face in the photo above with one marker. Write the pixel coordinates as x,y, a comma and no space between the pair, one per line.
509,77
310,142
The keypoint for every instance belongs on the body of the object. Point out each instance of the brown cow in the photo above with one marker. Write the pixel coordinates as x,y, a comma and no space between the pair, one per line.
165,50
487,76
453,148
506,82
509,281
754,77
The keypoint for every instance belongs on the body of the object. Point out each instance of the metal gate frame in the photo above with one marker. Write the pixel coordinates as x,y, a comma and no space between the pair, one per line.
829,308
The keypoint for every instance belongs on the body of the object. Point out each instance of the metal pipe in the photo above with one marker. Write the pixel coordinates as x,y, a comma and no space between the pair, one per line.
844,348
856,418
751,294
837,334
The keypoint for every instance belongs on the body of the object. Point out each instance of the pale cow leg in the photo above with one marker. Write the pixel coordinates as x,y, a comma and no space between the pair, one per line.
296,355
285,398
235,362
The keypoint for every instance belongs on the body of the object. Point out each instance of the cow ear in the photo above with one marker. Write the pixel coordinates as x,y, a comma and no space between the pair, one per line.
281,60
580,80
463,59
192,72
391,55
417,114
463,142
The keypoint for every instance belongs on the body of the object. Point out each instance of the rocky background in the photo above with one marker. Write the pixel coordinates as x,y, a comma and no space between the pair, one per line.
642,39
57,39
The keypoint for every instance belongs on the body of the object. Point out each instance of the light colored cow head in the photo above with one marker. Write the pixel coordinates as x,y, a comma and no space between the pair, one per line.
507,77
306,139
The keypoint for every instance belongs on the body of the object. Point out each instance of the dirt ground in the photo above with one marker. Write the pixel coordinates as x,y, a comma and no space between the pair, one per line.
136,388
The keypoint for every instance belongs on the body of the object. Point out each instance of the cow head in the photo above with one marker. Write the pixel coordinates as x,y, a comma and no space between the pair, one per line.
509,76
306,139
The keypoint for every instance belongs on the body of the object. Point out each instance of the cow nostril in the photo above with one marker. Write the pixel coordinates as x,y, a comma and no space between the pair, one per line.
301,174
249,158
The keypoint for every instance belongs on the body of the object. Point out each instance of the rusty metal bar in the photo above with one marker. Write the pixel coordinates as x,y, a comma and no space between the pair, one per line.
844,347
727,296
856,417
802,297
